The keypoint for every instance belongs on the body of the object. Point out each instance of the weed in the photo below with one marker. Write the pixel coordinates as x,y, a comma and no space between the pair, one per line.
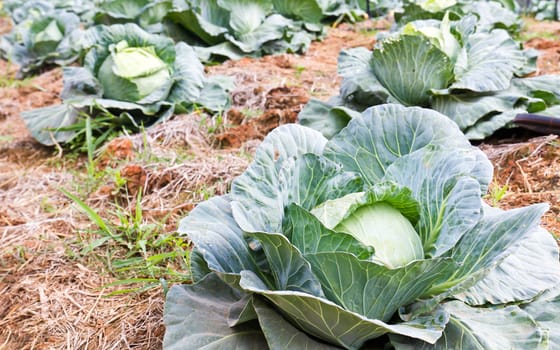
298,71
251,113
6,138
9,81
496,194
139,254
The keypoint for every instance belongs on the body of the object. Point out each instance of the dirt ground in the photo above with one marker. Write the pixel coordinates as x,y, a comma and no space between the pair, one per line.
55,296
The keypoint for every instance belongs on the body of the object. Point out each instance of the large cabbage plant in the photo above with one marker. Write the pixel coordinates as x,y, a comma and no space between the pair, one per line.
130,79
474,77
376,237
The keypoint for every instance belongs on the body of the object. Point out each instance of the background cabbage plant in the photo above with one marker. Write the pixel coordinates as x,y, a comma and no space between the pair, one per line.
378,236
130,78
474,77
236,28
490,14
148,14
40,37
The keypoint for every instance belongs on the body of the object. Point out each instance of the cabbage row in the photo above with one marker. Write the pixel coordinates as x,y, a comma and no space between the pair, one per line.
140,60
216,28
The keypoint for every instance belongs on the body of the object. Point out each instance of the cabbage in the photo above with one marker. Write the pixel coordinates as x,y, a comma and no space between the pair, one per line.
475,77
40,39
375,224
377,238
130,79
139,69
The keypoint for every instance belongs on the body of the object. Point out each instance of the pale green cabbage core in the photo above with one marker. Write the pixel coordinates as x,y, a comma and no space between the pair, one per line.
51,32
436,5
441,37
393,237
132,73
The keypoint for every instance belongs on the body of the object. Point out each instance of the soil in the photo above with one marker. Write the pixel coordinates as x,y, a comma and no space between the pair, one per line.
52,296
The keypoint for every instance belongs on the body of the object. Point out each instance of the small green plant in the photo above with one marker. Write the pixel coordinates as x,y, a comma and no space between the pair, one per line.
527,35
141,255
8,80
496,194
299,71
6,138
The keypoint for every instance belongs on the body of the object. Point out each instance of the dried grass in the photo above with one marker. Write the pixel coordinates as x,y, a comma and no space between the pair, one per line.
530,171
51,300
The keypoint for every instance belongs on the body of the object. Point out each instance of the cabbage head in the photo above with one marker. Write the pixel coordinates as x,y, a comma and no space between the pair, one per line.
130,78
375,239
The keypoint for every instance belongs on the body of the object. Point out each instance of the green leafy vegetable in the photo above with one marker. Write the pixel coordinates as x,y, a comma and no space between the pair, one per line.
39,40
374,238
473,76
130,78
236,28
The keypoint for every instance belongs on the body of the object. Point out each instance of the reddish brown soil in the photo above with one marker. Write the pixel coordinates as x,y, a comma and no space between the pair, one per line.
282,106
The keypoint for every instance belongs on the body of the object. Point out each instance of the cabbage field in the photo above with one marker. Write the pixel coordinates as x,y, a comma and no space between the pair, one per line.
279,174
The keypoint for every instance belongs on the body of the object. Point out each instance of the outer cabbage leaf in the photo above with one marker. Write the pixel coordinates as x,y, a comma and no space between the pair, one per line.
246,15
482,329
276,179
326,320
47,124
360,87
195,322
208,21
489,64
307,10
467,109
346,280
325,118
532,268
280,334
449,194
188,76
494,238
545,311
272,28
492,14
409,67
290,270
372,142
218,238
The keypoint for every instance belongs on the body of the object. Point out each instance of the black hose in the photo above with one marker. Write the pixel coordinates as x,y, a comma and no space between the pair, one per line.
538,123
